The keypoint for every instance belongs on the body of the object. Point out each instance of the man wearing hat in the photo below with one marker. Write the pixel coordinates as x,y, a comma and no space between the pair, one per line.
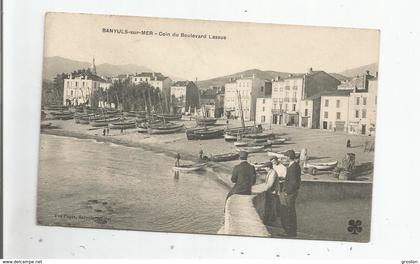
243,175
289,194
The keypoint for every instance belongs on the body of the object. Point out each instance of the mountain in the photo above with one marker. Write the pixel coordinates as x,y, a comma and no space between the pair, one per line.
220,81
372,68
55,65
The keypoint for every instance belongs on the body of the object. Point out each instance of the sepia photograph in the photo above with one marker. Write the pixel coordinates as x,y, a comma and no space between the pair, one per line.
207,127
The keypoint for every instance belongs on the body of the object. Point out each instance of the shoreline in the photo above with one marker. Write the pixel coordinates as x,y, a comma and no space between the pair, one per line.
222,171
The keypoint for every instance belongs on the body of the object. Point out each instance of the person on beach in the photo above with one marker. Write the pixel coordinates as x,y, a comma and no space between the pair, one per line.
107,131
122,130
303,158
289,194
243,175
348,143
104,132
178,158
272,200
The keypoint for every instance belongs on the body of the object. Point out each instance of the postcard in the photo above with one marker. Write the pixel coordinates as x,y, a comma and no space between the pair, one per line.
207,127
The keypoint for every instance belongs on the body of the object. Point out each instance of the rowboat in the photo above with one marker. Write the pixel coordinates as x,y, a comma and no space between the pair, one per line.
55,107
322,165
123,124
206,121
169,117
199,134
165,126
241,143
224,157
277,141
103,122
63,115
175,129
83,121
252,149
189,167
257,135
230,137
281,155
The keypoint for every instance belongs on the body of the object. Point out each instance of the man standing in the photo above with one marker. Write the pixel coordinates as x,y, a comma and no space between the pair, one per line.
289,194
243,175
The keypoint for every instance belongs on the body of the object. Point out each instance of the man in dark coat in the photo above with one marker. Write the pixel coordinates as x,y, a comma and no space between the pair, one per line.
289,194
243,175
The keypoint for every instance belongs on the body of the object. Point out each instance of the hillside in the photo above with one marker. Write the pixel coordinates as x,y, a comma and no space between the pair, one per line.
55,65
220,81
372,68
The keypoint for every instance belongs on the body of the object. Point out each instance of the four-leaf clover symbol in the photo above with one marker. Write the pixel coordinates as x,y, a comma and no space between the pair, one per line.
355,226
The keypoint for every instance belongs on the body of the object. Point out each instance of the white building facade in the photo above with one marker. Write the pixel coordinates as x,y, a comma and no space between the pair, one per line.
263,110
79,89
334,112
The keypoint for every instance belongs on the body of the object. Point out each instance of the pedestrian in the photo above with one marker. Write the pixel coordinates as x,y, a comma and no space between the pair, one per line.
303,158
243,176
107,131
178,158
122,130
289,194
104,132
201,154
272,200
348,143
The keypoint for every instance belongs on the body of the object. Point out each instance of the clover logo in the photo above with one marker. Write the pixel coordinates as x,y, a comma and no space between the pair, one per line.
355,226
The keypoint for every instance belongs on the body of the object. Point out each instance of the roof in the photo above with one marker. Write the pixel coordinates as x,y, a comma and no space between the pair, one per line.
181,83
209,94
329,93
91,76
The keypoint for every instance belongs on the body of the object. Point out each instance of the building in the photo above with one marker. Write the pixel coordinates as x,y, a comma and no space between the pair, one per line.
263,110
363,103
120,78
155,79
184,96
79,89
212,101
288,94
335,110
243,93
309,111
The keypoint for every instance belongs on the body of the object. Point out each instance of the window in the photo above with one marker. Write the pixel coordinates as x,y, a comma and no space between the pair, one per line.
306,103
294,94
306,112
262,88
287,94
281,89
325,114
76,83
83,84
276,89
327,102
280,106
262,119
338,116
357,114
263,109
285,107
363,113
263,101
357,100
294,107
274,106
364,100
71,92
337,104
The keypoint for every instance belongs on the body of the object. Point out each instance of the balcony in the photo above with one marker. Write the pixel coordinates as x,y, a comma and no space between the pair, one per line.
286,100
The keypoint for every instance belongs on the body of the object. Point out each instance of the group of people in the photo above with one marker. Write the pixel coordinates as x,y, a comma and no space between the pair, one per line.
105,131
283,182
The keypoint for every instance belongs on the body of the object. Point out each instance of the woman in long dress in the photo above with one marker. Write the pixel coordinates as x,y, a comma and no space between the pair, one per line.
271,195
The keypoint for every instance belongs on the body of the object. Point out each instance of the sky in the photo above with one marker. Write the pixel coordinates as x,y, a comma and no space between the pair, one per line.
284,48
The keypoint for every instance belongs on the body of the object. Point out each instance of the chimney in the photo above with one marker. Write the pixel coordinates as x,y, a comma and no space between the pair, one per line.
367,72
278,78
310,70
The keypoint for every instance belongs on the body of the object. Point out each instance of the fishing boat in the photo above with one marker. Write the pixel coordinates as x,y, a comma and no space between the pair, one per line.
169,117
224,157
277,141
257,135
206,121
167,128
203,133
84,121
103,122
241,143
251,149
125,124
189,167
281,155
230,137
55,107
63,115
322,165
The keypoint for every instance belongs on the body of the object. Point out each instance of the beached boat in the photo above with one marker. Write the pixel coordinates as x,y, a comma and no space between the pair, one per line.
104,122
281,155
206,121
203,133
322,165
230,137
224,157
63,115
252,149
241,143
168,117
167,128
277,141
257,135
55,107
189,167
83,121
126,124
